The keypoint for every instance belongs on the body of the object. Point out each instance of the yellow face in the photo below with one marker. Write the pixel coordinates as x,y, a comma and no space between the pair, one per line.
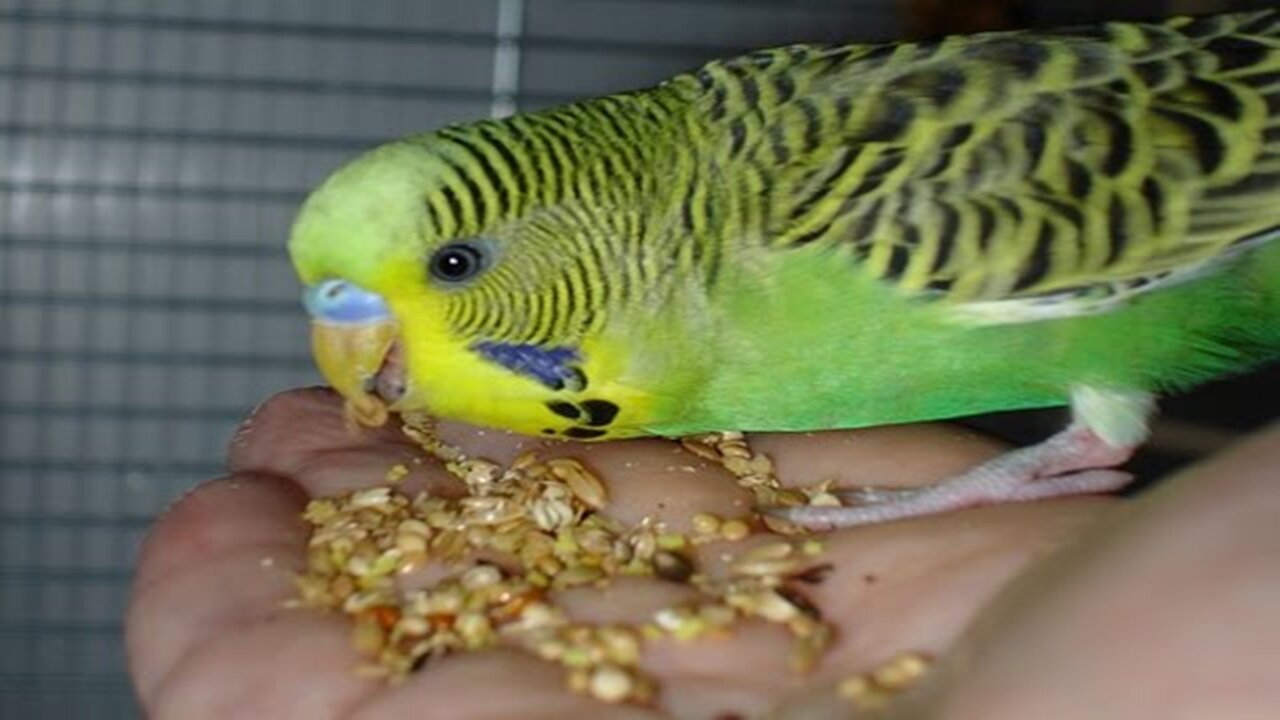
491,320
573,392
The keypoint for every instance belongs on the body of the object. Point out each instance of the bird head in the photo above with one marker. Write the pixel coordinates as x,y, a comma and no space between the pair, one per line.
430,268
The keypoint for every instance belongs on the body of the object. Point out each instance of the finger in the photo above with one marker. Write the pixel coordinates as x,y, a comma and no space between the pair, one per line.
1172,601
893,456
302,435
915,585
207,634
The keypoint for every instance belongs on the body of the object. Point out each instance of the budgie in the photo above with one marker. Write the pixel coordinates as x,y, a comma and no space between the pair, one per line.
814,237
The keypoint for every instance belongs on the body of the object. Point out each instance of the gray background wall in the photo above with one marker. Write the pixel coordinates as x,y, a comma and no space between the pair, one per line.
152,153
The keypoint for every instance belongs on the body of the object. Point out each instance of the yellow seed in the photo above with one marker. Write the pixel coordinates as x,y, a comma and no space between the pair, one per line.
579,680
361,601
550,566
413,526
780,526
760,465
550,648
622,551
772,607
621,645
539,614
441,519
319,561
580,575
809,648
776,550
901,672
478,537
718,615
489,510
789,497
474,628
320,511
342,587
824,500
672,541
313,592
550,514
479,472
481,576
577,656
525,460
413,626
412,562
771,559
705,523
563,467
584,485
669,618
855,688
644,545
734,530
386,563
411,543
595,541
611,684
367,636
397,473
766,568
681,623
371,497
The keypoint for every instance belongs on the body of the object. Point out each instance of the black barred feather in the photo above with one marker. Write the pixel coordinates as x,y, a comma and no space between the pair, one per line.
1070,168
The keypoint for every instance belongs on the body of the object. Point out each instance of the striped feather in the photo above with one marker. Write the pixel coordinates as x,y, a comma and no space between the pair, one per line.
1040,174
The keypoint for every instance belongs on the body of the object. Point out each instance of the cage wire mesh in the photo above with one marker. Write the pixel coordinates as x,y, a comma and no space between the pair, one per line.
152,153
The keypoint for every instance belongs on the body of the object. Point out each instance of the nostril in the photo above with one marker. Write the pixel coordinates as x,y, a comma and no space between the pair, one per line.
340,301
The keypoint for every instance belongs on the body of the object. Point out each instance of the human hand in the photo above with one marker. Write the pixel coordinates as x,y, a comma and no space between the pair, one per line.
208,637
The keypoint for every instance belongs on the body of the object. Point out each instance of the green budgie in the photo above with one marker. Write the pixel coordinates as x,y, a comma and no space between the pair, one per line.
818,237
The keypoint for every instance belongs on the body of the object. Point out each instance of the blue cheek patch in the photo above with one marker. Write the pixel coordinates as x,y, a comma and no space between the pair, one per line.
553,367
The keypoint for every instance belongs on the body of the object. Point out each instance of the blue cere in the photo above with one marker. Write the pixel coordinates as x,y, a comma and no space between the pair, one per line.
338,301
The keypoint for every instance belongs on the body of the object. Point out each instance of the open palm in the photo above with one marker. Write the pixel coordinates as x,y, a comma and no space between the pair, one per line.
208,636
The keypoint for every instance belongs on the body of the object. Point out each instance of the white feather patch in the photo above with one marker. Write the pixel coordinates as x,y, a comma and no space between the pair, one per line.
1119,417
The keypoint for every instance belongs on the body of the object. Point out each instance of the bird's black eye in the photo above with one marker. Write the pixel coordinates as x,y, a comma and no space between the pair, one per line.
458,262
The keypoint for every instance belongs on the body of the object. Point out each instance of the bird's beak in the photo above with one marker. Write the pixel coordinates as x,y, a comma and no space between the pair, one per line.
352,331
349,356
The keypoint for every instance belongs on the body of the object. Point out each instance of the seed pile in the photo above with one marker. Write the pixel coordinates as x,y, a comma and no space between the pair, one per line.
755,472
524,532
872,692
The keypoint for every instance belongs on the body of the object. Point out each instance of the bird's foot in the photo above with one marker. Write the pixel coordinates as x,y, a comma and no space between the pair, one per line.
1073,462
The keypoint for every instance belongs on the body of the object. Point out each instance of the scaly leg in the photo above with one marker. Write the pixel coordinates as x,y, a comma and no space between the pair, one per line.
1078,460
